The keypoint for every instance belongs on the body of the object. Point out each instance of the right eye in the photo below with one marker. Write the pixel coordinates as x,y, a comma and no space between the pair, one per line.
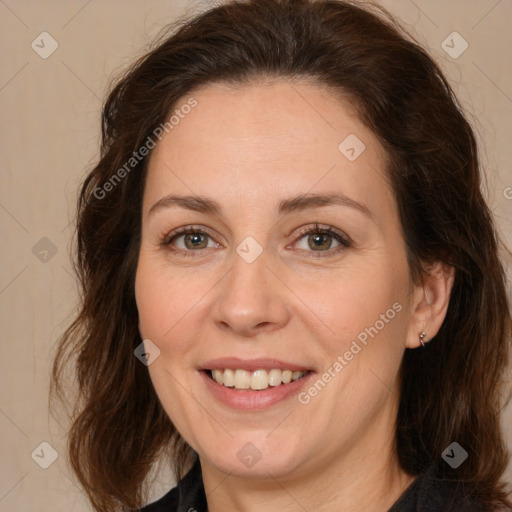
189,241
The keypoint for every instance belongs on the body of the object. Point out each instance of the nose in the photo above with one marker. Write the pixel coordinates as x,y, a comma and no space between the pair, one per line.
251,299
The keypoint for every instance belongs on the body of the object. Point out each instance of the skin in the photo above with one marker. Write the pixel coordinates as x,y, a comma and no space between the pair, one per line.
248,148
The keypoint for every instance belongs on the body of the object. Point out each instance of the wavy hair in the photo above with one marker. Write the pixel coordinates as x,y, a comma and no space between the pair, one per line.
450,391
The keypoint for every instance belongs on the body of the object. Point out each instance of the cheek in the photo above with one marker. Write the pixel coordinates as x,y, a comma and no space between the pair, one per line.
164,298
152,301
173,308
163,316
367,312
361,298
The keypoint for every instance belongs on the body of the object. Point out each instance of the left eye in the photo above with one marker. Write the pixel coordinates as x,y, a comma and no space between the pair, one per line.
321,240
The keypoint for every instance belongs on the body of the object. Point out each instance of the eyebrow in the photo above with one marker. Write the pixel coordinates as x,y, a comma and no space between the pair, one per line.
210,206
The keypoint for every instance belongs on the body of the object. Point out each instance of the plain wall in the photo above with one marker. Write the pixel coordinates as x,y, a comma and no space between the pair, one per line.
49,132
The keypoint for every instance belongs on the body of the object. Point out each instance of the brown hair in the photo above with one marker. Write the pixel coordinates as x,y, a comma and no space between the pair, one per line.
450,391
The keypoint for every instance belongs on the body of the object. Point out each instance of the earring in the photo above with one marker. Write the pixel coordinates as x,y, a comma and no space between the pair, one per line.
422,336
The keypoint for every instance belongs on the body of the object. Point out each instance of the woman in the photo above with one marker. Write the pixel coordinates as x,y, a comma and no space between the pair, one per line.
291,283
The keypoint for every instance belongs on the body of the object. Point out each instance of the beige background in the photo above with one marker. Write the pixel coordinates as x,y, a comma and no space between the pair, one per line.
49,132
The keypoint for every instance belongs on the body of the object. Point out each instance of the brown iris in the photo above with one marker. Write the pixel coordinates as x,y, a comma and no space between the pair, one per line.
194,238
320,241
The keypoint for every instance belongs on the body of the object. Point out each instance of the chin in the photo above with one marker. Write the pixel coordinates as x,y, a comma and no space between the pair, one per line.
255,456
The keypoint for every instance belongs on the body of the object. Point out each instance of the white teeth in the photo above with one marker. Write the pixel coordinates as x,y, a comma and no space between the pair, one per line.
228,378
218,376
274,377
286,376
242,379
297,375
257,380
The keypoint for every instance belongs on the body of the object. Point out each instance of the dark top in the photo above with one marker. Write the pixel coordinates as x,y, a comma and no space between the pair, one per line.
427,493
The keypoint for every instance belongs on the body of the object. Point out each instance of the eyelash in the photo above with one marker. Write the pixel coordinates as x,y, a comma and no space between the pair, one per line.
344,240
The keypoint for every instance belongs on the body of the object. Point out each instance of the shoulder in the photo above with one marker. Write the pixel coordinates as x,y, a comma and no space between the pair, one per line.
187,495
429,492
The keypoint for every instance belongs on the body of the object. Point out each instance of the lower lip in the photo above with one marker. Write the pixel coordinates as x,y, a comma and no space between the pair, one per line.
251,399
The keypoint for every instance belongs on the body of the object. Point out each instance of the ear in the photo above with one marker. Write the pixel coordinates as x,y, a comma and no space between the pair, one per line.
430,303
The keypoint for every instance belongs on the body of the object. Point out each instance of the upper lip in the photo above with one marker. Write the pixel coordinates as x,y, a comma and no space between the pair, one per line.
251,365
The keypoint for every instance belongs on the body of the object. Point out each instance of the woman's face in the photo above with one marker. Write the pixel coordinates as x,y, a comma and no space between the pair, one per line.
257,289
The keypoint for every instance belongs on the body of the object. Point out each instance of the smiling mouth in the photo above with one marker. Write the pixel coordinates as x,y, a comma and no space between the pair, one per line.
258,380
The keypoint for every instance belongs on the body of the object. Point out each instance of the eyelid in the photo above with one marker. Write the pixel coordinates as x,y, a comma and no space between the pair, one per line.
323,228
167,239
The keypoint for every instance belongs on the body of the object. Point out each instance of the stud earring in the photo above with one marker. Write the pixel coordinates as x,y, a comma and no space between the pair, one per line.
422,336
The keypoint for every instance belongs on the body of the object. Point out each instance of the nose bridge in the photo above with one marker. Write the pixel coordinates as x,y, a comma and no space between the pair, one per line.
250,297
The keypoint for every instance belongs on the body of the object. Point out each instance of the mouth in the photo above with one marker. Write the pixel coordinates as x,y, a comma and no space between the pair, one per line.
257,380
253,384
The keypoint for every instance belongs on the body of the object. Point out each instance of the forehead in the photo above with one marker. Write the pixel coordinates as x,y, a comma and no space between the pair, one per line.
264,140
